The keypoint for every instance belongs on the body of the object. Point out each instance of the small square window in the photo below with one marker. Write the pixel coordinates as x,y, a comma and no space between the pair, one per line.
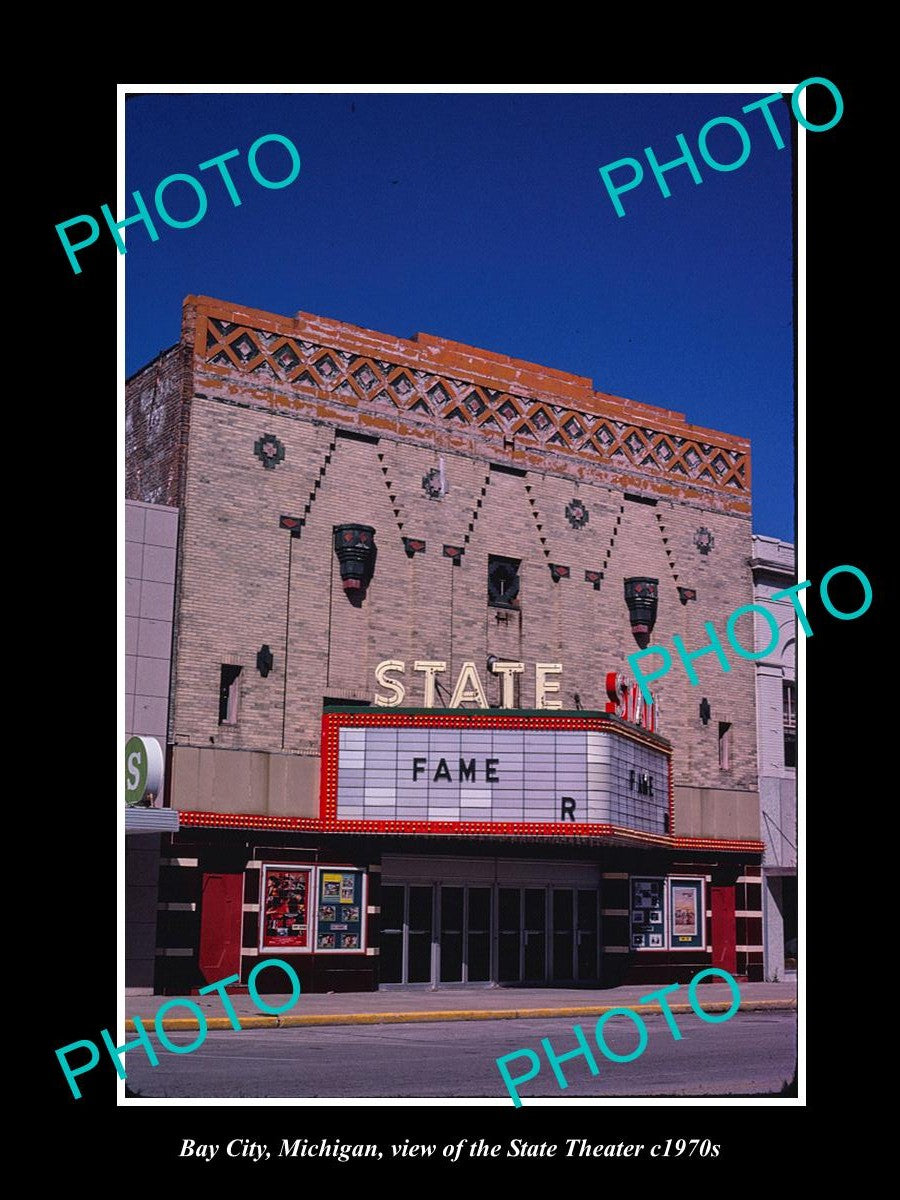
228,694
724,745
503,581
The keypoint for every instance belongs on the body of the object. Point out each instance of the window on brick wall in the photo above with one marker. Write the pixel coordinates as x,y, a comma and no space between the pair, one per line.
789,709
724,745
228,693
503,581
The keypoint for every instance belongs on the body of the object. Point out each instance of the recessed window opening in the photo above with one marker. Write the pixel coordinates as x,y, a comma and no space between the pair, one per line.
228,693
503,581
724,745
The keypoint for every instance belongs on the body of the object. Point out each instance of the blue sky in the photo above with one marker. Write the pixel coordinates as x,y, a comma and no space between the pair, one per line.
482,218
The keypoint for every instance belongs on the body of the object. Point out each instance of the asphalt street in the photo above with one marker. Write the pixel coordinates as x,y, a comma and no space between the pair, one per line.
753,1054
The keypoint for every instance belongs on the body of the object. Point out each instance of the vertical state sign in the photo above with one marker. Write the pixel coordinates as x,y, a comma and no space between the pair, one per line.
340,910
497,772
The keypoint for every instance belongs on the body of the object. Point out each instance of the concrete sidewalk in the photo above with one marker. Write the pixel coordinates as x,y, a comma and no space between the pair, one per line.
453,1004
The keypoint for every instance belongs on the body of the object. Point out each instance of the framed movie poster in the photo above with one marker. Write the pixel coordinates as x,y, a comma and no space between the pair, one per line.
648,913
284,906
687,914
340,910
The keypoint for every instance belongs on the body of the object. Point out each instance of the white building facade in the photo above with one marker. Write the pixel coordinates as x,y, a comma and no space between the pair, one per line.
773,565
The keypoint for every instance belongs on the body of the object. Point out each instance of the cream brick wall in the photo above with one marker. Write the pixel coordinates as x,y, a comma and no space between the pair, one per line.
234,586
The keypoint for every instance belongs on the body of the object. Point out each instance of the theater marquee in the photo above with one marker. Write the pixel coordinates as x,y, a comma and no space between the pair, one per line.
415,771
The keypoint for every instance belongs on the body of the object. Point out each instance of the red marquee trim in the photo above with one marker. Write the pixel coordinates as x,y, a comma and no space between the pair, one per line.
573,829
327,822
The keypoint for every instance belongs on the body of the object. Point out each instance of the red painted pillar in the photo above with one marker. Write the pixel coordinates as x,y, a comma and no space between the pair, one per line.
724,940
220,925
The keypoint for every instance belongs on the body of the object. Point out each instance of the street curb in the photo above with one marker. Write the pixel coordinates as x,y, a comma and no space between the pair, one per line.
460,1014
188,1023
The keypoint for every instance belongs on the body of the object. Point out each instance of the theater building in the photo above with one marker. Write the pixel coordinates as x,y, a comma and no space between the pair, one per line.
402,744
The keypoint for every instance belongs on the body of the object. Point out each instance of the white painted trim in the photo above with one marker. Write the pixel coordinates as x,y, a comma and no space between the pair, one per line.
176,906
179,862
748,912
373,909
253,862
249,951
250,908
749,949
371,951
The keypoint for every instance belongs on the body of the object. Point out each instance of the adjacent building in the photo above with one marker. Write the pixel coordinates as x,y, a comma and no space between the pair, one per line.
776,703
402,742
151,540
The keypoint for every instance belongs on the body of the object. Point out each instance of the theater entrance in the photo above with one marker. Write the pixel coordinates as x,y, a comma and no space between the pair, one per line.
442,933
548,935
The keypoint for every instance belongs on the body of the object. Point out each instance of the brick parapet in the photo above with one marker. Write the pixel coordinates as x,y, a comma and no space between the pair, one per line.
157,427
460,399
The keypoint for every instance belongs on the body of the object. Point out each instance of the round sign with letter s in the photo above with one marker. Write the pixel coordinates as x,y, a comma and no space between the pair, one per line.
143,769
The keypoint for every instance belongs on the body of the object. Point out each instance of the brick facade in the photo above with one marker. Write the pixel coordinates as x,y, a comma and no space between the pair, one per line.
453,446
234,593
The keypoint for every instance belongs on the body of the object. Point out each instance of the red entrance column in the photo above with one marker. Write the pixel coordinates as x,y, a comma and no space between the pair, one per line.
724,940
220,925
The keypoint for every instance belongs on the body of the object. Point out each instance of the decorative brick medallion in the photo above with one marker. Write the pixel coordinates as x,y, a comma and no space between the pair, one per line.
269,450
577,513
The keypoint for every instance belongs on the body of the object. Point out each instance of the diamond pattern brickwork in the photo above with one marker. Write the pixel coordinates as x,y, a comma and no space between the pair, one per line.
404,387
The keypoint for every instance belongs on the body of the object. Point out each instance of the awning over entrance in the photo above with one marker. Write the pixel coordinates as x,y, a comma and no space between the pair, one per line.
151,820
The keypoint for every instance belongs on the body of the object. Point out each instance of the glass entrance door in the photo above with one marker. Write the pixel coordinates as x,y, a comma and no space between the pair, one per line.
478,934
393,939
451,942
563,934
522,935
406,933
444,934
575,935
436,934
587,936
464,947
535,935
420,907
509,935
